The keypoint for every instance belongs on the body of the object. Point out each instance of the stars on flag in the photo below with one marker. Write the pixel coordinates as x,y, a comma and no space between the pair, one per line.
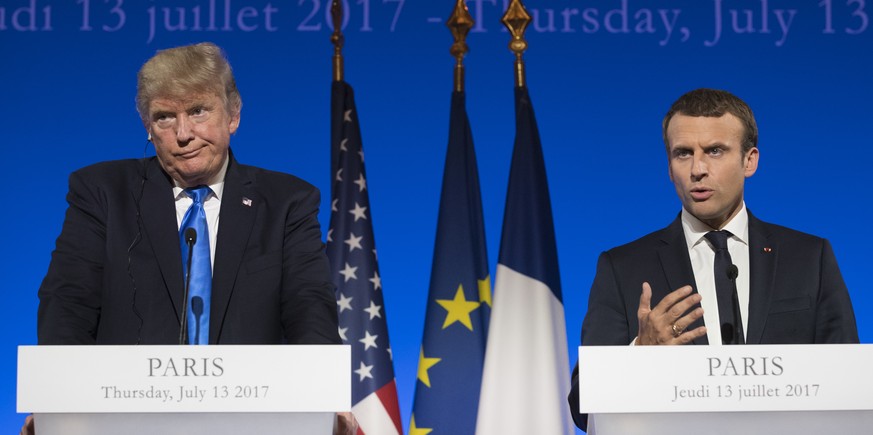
458,309
377,282
424,364
354,242
459,299
369,340
485,290
361,182
349,272
364,371
374,310
415,430
358,212
352,253
344,303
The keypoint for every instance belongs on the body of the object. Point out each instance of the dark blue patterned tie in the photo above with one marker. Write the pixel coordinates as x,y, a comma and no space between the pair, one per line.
200,286
726,289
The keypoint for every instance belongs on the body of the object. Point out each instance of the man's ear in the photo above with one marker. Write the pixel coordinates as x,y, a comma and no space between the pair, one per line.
750,162
234,123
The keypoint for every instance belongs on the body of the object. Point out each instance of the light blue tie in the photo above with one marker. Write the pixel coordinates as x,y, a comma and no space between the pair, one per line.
200,287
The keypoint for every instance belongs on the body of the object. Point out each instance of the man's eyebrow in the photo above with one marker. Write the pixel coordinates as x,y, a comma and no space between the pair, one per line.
715,145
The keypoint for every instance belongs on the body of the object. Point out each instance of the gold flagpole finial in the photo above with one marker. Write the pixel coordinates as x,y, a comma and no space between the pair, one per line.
516,19
336,13
460,23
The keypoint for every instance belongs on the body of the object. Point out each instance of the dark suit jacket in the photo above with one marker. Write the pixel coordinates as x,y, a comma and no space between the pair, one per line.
796,292
116,273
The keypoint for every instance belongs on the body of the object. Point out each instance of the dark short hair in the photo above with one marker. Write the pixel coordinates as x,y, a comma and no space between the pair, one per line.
715,103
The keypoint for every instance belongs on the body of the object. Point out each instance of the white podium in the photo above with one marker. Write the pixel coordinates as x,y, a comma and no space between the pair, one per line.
133,390
764,389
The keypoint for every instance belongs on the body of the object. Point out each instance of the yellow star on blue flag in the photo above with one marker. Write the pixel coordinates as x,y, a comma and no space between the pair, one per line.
459,299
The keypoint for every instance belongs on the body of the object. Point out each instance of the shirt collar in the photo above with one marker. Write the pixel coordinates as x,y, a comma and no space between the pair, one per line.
216,184
695,229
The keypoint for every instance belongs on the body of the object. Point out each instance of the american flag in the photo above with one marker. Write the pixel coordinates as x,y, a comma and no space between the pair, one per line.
351,249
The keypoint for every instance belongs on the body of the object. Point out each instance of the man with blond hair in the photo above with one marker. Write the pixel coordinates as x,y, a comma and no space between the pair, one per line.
118,272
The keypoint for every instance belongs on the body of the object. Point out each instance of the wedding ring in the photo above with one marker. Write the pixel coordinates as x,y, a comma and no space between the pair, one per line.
677,331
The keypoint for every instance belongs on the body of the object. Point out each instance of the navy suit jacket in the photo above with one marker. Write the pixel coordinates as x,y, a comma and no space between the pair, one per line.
116,273
796,292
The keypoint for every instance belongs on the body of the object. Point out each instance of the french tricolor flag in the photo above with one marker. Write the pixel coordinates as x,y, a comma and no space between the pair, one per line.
526,377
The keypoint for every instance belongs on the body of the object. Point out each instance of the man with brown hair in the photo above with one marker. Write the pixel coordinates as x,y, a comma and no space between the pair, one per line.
716,275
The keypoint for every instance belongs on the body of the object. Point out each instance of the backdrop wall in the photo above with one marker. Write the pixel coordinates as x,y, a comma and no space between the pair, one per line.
601,74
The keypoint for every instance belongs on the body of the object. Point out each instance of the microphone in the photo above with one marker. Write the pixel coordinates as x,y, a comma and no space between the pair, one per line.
736,329
197,309
733,272
190,240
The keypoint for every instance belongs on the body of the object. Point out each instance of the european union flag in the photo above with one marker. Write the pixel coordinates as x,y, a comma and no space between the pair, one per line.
459,300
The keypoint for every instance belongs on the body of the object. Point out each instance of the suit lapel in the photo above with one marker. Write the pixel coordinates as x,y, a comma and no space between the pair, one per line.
239,204
158,211
762,275
677,266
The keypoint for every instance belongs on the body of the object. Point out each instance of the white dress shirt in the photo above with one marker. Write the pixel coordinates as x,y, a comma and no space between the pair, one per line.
702,257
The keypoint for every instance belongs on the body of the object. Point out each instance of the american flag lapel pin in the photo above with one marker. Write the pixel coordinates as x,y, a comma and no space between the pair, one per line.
247,202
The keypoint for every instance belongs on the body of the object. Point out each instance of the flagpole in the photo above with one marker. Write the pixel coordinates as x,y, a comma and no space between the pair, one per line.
336,13
460,23
339,87
355,270
516,19
526,374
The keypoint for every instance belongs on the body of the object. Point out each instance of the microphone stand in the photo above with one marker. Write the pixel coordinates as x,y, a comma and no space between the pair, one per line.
739,337
190,239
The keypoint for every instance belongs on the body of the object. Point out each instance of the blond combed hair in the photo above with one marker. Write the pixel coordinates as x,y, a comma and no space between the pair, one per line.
182,72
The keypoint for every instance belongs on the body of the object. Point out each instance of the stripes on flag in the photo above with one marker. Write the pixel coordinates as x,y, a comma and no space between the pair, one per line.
526,376
351,249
